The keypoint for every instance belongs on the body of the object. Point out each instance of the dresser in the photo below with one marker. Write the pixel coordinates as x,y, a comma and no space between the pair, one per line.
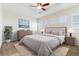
22,33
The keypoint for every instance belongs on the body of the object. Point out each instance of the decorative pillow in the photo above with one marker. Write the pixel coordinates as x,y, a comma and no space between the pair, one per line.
50,35
54,33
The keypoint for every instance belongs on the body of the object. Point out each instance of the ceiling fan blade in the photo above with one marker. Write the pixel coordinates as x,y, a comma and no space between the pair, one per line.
43,9
46,4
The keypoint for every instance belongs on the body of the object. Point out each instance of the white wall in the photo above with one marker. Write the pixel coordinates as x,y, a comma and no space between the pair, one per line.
51,20
0,25
10,18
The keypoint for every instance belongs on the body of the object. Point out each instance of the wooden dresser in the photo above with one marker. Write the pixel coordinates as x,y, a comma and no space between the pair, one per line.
70,40
22,33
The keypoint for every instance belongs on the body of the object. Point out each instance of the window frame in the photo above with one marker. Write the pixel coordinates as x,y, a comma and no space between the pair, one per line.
72,21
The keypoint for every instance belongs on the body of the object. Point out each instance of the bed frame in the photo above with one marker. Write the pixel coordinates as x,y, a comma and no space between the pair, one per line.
56,30
49,30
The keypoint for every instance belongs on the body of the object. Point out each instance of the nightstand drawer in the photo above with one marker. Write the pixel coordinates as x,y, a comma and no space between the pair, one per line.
70,40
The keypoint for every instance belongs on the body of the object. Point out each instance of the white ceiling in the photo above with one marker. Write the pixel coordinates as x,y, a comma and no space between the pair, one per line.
25,9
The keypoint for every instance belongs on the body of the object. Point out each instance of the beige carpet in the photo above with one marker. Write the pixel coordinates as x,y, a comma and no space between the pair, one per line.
61,51
22,51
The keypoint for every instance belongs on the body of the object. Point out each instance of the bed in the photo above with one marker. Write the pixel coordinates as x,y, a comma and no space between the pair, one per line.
44,44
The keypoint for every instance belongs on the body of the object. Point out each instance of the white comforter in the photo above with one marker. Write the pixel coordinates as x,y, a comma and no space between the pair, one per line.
42,45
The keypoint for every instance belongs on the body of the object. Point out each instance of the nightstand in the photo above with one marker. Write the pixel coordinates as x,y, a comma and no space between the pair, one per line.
70,40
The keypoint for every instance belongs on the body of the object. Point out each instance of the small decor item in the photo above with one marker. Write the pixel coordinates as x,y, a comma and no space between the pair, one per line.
70,31
42,31
22,23
8,33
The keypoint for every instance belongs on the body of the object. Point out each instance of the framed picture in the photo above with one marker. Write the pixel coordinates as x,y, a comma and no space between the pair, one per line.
23,23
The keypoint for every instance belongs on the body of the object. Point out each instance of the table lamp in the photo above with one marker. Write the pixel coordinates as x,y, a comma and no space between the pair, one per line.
70,31
42,31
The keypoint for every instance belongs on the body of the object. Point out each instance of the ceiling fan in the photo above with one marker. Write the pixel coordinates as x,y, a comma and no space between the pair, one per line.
40,6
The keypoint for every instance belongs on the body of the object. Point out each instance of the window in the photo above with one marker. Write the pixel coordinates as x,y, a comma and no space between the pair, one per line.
75,21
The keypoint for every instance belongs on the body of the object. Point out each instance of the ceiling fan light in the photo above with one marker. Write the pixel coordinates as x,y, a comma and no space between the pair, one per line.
39,7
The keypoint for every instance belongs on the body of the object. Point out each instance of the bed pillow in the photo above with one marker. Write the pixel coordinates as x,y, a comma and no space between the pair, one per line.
61,38
50,35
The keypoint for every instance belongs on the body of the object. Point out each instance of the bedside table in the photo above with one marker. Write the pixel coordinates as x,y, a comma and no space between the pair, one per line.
70,40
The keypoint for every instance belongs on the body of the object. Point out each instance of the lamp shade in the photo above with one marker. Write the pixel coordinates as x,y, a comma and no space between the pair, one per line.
42,30
70,30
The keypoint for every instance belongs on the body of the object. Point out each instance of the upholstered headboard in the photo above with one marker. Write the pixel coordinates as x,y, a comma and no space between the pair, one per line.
22,33
56,30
